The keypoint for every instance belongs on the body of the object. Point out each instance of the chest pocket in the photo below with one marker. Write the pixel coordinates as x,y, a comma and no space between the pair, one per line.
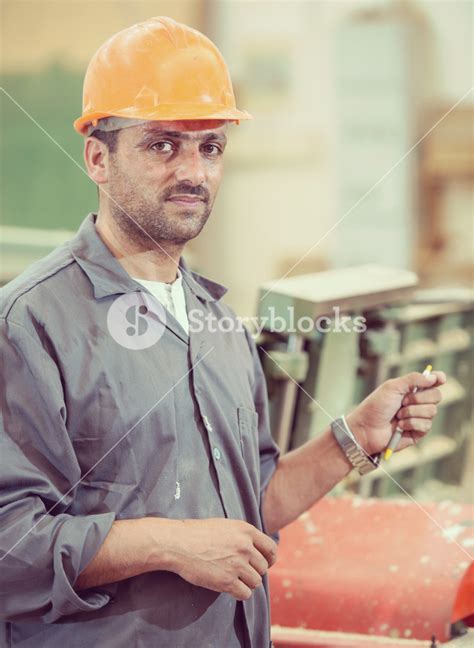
248,432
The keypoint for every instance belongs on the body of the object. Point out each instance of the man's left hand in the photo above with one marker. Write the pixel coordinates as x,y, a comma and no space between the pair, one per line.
393,405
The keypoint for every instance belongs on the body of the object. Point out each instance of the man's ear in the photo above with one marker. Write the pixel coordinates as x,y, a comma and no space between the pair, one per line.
96,158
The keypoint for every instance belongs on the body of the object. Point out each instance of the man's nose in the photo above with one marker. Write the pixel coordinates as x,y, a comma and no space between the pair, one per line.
190,168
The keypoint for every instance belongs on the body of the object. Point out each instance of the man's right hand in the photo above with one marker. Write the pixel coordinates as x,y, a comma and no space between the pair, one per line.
221,554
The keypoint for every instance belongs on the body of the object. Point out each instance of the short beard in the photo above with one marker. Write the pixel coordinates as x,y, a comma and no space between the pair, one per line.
143,224
144,227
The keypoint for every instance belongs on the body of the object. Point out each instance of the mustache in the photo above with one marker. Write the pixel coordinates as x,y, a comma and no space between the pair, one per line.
186,188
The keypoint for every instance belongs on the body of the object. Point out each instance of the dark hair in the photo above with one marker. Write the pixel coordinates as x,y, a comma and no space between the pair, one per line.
110,138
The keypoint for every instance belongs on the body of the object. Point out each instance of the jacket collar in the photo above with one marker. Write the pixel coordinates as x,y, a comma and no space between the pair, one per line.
107,275
202,287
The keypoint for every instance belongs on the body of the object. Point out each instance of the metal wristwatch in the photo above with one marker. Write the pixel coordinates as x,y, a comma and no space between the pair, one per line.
359,459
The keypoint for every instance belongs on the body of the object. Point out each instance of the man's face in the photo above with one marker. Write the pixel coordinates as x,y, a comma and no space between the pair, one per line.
165,177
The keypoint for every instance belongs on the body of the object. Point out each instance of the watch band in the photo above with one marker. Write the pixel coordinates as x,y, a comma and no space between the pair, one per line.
353,451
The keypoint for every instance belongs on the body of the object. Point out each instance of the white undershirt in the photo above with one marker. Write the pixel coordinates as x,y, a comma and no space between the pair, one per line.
171,295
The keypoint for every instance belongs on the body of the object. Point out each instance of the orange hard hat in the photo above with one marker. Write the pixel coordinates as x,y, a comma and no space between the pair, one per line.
159,70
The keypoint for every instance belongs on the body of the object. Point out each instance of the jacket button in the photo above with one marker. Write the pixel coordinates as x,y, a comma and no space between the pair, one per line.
217,453
207,424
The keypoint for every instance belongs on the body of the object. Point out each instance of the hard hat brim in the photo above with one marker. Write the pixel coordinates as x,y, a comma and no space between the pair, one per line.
167,112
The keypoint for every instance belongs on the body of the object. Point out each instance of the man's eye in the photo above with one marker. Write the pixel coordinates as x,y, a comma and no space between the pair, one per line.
163,147
212,149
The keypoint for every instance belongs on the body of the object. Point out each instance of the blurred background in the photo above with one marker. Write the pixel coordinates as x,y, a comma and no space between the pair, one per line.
360,156
340,92
353,187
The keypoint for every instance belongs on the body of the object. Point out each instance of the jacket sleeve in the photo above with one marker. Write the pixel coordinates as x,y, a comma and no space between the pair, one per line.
268,449
42,548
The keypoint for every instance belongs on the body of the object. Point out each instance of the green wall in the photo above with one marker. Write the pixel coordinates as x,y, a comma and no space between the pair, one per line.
41,186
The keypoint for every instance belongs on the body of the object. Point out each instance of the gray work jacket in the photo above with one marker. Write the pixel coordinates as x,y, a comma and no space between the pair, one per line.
94,432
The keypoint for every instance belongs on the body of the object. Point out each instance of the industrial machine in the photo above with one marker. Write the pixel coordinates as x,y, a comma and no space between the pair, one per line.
371,572
371,324
384,560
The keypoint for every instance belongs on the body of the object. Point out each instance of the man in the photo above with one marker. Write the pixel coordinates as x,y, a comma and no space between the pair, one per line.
141,492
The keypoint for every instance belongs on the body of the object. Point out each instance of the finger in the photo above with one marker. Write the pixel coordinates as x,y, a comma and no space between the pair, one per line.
421,425
415,379
250,577
258,562
240,591
417,411
440,377
266,546
413,436
409,439
433,395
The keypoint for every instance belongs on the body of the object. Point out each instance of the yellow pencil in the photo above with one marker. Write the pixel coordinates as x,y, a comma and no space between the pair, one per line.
397,435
